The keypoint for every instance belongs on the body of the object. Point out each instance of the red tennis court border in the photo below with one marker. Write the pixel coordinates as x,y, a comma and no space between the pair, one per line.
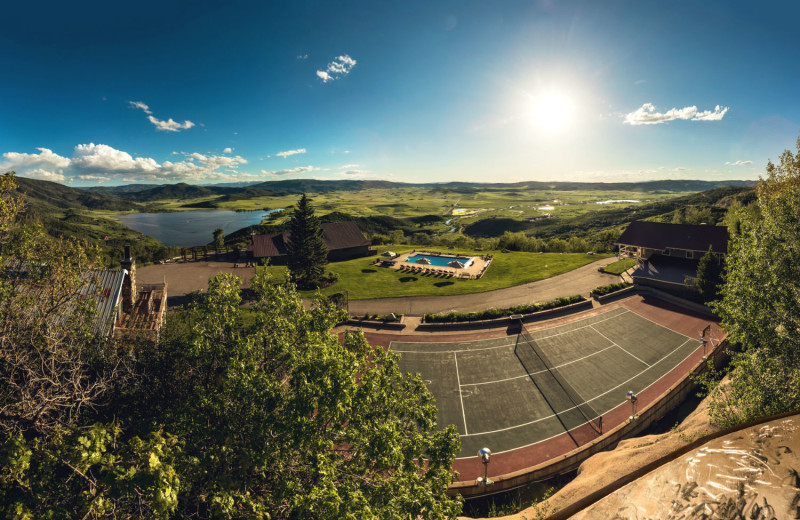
671,316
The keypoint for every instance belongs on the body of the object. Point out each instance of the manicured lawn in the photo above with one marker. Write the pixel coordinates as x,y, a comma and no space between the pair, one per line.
620,266
363,280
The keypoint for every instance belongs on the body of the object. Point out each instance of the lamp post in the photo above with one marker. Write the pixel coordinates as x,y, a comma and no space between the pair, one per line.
630,396
485,454
704,340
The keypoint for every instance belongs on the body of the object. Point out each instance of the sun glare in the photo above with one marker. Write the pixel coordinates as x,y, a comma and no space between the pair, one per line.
552,112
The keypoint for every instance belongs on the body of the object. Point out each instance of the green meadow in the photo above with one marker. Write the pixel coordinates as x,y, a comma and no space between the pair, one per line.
362,280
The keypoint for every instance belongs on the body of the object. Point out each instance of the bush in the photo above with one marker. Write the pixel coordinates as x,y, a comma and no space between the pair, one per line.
490,314
610,288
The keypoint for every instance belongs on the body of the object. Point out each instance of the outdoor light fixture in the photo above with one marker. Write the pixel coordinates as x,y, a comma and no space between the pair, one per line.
630,396
704,340
485,454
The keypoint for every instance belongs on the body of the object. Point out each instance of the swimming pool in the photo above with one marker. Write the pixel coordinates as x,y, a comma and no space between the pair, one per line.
441,261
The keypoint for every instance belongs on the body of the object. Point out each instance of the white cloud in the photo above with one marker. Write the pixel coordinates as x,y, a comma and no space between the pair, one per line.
44,175
141,106
45,157
348,166
738,163
302,56
292,171
287,153
100,162
170,125
354,172
103,158
647,115
346,151
336,69
228,150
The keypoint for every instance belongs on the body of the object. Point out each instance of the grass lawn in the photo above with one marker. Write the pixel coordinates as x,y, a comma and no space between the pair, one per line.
363,280
620,266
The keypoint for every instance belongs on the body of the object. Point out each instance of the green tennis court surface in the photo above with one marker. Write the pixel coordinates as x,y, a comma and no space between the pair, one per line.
518,390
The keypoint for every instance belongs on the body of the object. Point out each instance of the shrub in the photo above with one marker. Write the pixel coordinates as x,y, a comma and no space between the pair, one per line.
490,314
610,288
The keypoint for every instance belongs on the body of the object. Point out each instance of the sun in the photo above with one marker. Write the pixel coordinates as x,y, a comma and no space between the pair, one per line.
552,112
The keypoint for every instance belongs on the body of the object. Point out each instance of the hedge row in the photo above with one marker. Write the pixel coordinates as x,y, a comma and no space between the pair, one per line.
608,289
490,314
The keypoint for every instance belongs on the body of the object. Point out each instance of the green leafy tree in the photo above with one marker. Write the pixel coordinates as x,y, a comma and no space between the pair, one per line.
219,237
280,418
709,276
760,307
307,253
56,461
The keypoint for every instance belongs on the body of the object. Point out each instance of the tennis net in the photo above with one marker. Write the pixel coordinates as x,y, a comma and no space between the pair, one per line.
566,403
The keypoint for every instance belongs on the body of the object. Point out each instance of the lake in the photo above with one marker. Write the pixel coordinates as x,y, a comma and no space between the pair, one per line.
190,228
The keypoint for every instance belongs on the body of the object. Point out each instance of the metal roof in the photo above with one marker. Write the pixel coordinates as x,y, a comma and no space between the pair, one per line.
337,235
659,235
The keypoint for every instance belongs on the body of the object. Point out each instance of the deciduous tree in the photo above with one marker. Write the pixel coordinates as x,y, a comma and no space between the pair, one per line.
760,304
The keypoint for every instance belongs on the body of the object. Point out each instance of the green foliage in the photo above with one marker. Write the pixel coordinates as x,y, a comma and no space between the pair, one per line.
490,314
709,276
610,288
219,237
760,307
307,253
279,417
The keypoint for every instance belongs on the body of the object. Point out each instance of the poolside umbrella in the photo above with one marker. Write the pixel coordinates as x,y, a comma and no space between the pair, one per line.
423,260
456,264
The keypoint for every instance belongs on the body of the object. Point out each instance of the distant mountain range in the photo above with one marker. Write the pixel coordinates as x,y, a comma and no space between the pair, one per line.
51,195
297,186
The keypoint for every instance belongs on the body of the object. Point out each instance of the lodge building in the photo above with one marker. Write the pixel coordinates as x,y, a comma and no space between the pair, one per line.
668,254
343,239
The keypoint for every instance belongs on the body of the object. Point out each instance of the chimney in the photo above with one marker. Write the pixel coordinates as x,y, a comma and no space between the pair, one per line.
129,284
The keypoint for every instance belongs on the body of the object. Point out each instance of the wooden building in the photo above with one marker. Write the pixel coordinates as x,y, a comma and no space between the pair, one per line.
343,239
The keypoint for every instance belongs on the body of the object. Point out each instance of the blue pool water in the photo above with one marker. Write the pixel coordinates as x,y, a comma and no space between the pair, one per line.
440,261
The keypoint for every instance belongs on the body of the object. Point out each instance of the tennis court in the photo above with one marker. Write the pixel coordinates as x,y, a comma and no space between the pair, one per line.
517,390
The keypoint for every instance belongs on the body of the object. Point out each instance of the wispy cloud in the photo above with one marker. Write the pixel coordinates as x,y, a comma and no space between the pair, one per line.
338,68
302,57
141,106
287,153
738,163
169,125
291,171
647,115
96,178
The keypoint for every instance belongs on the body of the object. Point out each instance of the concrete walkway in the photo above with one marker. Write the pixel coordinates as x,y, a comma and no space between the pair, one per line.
579,281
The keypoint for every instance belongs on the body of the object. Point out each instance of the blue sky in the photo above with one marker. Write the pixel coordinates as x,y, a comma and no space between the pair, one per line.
498,91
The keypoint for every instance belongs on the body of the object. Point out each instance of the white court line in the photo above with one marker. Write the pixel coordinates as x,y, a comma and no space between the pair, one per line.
541,371
660,325
461,397
593,398
620,347
498,346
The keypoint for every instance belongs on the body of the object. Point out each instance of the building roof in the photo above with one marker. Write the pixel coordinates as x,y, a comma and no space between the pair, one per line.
337,235
658,235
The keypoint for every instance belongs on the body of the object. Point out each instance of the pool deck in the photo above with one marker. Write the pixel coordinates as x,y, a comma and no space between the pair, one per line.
474,270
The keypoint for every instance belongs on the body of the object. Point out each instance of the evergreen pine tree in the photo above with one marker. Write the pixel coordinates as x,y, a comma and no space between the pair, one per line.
709,276
307,252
